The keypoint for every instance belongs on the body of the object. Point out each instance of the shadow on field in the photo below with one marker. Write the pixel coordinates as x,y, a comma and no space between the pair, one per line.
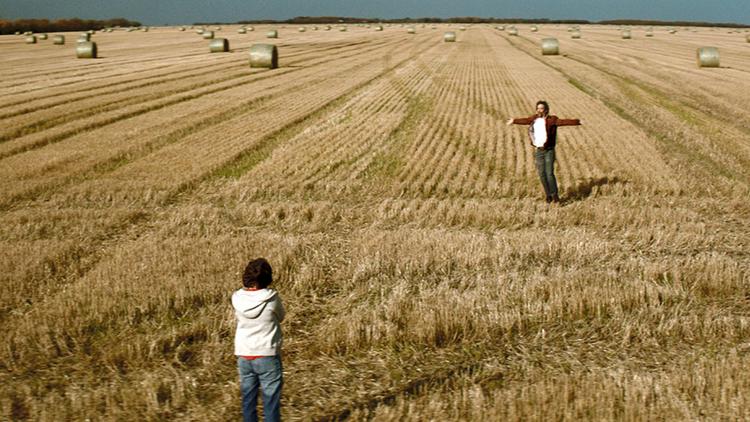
584,189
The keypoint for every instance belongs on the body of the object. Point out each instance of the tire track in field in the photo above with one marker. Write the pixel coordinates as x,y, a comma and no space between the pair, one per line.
30,142
334,155
51,118
87,254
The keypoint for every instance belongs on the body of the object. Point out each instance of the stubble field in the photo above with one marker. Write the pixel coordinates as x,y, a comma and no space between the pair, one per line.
424,276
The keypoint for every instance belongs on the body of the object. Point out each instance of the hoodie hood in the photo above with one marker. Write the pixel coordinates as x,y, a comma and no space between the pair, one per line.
252,303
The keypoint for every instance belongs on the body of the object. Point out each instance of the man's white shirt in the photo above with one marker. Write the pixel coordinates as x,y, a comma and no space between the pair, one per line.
540,132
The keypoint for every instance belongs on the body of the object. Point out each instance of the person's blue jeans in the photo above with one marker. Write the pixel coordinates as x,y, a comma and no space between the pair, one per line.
265,372
545,167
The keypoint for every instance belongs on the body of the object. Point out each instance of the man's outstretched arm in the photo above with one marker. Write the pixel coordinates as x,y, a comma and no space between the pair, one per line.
520,121
568,122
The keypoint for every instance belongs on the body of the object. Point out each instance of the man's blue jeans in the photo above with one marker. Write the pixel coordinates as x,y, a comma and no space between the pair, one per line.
545,167
265,372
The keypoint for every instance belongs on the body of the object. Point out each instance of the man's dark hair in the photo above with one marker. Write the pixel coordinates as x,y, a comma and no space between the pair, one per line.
257,274
544,103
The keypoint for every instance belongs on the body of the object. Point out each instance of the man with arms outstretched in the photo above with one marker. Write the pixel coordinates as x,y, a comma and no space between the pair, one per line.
543,137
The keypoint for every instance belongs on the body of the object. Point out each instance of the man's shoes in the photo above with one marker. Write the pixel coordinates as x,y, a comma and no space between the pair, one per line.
555,199
549,199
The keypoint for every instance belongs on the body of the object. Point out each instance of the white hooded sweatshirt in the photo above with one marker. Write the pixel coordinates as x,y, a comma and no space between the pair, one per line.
259,314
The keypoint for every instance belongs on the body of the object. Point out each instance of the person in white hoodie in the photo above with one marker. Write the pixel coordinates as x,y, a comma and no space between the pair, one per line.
257,341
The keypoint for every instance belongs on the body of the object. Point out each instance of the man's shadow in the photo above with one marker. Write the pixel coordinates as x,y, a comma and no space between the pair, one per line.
584,189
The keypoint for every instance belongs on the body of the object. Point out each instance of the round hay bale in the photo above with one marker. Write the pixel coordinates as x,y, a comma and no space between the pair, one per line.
747,38
411,31
18,32
302,29
84,36
86,50
250,29
218,28
315,28
58,40
327,28
550,47
182,29
378,28
449,36
91,32
513,32
242,31
342,29
462,28
576,35
42,36
272,34
708,57
534,28
264,55
218,45
27,33
626,34
31,39
501,28
208,35
199,31
144,29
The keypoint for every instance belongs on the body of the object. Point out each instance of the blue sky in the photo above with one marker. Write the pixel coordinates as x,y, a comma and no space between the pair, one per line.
157,12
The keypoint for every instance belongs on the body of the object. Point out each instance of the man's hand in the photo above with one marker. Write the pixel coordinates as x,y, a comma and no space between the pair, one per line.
509,122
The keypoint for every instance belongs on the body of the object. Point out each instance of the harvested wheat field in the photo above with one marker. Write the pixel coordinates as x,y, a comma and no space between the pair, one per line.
424,275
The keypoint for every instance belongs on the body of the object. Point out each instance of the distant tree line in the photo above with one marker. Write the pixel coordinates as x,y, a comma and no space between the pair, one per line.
303,20
61,25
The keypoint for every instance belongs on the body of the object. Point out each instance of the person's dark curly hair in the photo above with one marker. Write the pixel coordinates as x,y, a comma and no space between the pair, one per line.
258,274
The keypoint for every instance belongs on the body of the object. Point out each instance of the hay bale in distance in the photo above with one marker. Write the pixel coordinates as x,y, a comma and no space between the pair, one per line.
58,40
708,57
42,36
747,37
626,34
218,45
208,35
550,47
242,31
379,28
302,29
513,32
31,39
272,34
86,50
449,36
534,28
264,55
411,31
342,29
85,36
575,35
